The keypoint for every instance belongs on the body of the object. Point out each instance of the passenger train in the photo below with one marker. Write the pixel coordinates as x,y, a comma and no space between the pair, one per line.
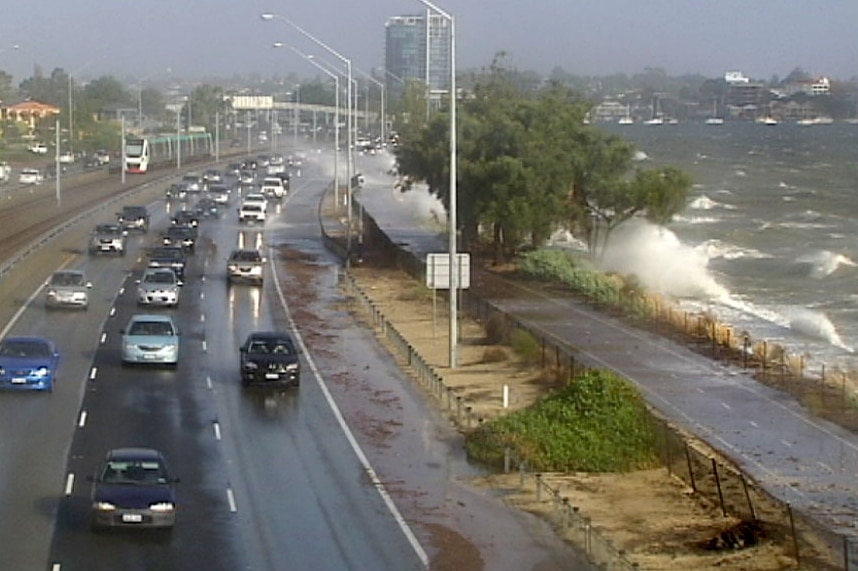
143,154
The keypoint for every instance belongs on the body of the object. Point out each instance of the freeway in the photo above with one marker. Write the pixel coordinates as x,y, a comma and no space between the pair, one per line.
351,471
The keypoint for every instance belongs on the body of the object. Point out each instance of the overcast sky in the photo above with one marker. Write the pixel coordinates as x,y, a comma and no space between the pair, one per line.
201,38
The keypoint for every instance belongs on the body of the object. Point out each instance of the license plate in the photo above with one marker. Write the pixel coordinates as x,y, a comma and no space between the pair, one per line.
18,380
272,376
132,518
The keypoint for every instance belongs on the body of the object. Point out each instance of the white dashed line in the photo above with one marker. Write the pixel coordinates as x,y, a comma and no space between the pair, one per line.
69,484
204,346
825,467
112,311
56,567
231,499
217,430
787,444
754,424
103,338
208,382
202,318
727,406
81,421
92,373
122,290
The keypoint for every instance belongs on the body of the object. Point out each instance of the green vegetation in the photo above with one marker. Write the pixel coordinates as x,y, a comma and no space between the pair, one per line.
576,273
528,164
599,423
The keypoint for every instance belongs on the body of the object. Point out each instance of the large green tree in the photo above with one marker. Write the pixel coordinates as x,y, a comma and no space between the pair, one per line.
528,163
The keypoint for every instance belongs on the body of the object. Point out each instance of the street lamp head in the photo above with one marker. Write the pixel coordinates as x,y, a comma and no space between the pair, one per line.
277,45
267,16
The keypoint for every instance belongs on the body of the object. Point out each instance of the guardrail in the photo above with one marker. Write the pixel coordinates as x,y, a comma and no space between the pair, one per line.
813,545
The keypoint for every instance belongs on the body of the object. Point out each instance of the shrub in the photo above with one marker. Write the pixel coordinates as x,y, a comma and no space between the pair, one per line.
599,423
496,329
526,346
495,355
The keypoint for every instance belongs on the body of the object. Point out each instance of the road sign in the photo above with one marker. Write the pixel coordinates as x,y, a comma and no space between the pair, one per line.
438,271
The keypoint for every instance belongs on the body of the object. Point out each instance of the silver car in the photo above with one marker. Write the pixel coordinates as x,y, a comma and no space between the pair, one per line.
68,288
150,339
159,286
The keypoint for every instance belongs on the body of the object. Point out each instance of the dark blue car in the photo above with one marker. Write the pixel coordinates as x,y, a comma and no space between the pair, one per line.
28,363
133,488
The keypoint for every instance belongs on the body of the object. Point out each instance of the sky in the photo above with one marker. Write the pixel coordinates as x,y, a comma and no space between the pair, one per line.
192,39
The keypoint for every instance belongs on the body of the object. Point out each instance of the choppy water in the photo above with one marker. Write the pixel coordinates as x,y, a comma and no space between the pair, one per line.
769,239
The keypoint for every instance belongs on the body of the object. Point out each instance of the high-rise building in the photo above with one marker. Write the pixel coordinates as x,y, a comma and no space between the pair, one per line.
417,48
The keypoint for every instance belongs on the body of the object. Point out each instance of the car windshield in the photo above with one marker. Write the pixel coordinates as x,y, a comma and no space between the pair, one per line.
24,348
65,279
271,346
134,473
159,278
151,328
107,229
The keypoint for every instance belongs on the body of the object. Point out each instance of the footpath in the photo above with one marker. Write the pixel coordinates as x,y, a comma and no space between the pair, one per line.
806,463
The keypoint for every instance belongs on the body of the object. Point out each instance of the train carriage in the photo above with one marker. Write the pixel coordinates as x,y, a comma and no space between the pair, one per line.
145,153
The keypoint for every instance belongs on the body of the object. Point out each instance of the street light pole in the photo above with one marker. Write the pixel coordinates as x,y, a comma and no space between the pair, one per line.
336,79
297,118
350,162
454,266
381,90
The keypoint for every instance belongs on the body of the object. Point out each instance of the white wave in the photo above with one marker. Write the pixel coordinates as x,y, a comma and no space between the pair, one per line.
703,202
715,248
824,263
816,325
663,264
696,219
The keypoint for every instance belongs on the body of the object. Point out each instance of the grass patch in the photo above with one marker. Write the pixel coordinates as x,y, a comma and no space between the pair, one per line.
526,346
599,423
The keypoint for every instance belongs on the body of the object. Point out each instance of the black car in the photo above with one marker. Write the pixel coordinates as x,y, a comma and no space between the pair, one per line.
183,236
173,257
207,208
134,218
269,357
133,488
186,217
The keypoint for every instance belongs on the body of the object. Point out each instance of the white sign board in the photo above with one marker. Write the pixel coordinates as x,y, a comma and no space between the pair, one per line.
252,102
438,271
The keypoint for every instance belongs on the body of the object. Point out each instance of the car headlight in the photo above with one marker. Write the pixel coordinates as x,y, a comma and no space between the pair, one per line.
41,371
52,292
103,506
2,371
292,367
162,507
251,366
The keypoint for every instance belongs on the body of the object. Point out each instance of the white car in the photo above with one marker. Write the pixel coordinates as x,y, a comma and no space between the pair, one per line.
272,187
30,176
39,148
66,158
256,198
159,286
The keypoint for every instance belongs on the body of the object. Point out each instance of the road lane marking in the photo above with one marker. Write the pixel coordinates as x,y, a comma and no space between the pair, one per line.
202,318
81,422
727,406
361,456
204,346
122,290
825,467
217,430
92,373
754,424
69,483
112,311
231,499
103,338
208,381
56,567
785,443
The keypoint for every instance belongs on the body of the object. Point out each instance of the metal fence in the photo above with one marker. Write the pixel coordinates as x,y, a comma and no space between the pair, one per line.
813,545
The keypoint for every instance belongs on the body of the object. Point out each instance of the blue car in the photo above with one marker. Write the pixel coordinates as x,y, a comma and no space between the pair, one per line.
133,488
28,363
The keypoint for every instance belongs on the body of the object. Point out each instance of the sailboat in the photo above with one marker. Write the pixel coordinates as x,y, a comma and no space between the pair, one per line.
657,118
627,120
715,119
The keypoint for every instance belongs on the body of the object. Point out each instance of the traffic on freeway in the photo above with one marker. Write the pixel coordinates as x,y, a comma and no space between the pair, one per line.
209,473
